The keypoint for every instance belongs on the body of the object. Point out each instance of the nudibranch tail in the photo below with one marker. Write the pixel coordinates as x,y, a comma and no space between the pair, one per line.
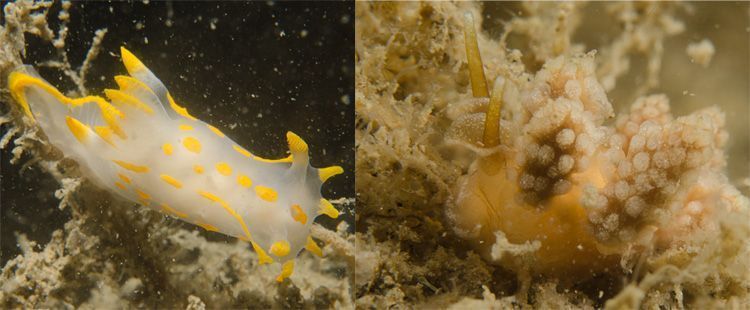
150,150
476,68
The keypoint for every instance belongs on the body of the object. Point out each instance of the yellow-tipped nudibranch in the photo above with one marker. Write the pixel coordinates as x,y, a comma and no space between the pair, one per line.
148,149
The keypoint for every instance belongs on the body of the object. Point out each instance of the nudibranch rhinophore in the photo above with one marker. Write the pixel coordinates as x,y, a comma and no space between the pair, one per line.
578,194
148,149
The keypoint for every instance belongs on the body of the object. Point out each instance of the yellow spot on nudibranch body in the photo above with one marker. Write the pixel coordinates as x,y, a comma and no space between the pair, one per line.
280,248
119,185
244,181
326,173
313,247
266,193
184,127
78,129
132,167
171,181
298,214
286,271
192,144
167,148
216,131
224,168
327,208
198,169
124,178
242,151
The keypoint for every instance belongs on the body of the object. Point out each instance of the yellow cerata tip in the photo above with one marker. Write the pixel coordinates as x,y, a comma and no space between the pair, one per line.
132,64
327,208
296,144
326,173
286,271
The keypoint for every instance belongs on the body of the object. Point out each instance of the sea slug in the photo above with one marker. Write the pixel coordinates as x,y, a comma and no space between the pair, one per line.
576,193
148,149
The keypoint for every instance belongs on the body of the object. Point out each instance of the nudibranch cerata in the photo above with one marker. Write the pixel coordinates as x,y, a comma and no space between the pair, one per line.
576,193
148,149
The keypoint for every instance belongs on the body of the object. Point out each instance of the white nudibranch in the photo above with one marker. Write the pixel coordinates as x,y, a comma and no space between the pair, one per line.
146,148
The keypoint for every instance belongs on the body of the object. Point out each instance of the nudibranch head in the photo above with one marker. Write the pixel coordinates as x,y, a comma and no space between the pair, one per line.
569,194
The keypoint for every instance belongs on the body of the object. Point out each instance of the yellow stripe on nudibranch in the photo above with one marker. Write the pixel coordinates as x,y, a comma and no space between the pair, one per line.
263,258
119,96
208,227
171,181
124,178
167,148
242,151
247,154
16,83
280,248
266,193
120,186
184,127
132,64
142,195
244,181
78,129
19,80
298,214
178,109
327,208
131,167
172,211
287,159
226,207
326,173
192,144
224,168
313,247
286,271
216,131
105,133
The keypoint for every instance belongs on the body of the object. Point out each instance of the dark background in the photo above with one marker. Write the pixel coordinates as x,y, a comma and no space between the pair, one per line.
254,70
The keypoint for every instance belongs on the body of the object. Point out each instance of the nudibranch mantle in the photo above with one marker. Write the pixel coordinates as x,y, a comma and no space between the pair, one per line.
148,149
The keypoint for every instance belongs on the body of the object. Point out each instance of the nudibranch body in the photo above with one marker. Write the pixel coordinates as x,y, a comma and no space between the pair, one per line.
579,194
145,147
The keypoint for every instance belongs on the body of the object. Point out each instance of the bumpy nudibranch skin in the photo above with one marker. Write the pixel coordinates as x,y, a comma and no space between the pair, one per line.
583,192
145,147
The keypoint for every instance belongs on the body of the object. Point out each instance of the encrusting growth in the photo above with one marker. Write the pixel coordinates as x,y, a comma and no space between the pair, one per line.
551,172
